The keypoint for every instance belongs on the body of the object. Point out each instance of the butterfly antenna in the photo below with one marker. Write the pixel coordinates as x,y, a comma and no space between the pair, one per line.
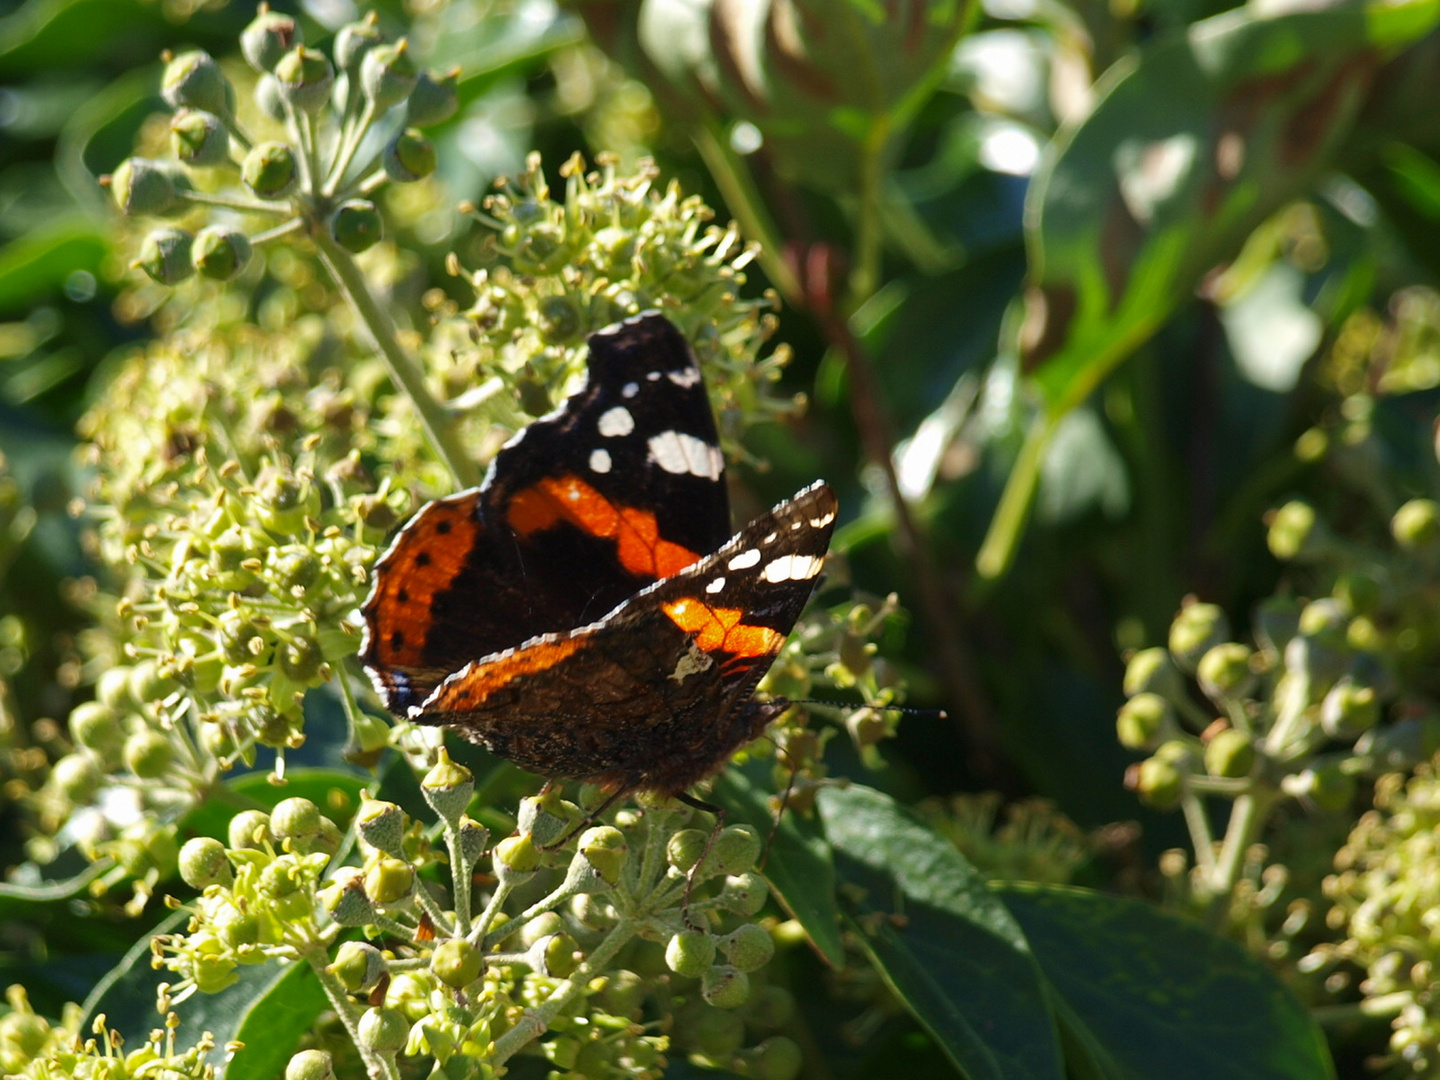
784,802
588,820
934,714
719,812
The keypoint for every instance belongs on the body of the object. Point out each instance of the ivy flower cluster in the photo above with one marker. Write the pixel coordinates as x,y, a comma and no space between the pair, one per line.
574,928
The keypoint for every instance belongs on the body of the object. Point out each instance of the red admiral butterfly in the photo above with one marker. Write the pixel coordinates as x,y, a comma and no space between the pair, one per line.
585,612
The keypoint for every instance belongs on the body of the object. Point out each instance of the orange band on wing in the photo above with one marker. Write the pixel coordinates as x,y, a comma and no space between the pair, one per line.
470,690
721,629
636,532
425,560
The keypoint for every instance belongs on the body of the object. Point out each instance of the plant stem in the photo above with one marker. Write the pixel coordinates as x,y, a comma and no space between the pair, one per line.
1200,837
439,431
294,225
379,1068
1382,1005
1247,818
235,202
349,143
866,271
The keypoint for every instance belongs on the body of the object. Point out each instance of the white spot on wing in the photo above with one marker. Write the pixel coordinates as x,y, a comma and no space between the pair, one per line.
616,422
693,662
715,586
629,390
791,568
822,520
771,538
653,376
600,461
678,453
685,379
744,560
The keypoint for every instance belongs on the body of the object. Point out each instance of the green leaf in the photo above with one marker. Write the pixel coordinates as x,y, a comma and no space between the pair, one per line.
945,945
335,792
798,866
1136,986
40,262
275,1019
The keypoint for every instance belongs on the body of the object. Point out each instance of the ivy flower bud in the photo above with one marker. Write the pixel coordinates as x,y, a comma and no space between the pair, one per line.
736,850
148,754
388,880
77,777
295,819
383,1030
474,838
1357,591
267,98
777,1058
358,965
1196,630
1327,787
306,79
356,225
1230,753
744,894
516,858
194,80
199,138
725,987
604,847
387,74
310,1065
24,1033
1141,721
559,955
1294,532
1416,525
354,40
690,953
457,963
684,848
220,252
269,170
248,830
434,99
1349,709
344,897
203,862
1157,782
448,787
1224,672
96,728
269,37
409,156
382,826
142,186
1153,671
749,947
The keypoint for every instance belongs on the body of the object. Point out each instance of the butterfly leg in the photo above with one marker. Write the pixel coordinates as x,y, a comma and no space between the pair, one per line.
719,812
590,818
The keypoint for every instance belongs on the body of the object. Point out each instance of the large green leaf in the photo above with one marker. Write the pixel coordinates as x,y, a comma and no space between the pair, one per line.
798,866
944,944
39,263
1143,993
1192,145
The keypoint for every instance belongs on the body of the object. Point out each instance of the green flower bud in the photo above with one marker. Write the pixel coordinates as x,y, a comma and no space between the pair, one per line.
1416,525
267,98
194,80
546,924
306,79
448,787
1196,630
356,225
383,1030
354,40
749,947
77,777
736,850
213,973
516,857
434,99
270,170
474,839
310,1065
239,929
301,659
777,1058
622,993
1158,783
148,754
684,848
24,1033
388,880
690,953
387,74
358,965
269,37
345,899
165,256
1326,786
286,501
559,956
1357,592
1230,753
1224,672
96,727
199,138
716,1033
382,826
457,963
1153,671
248,830
725,987
149,683
1294,532
1349,709
772,1008
604,847
1316,659
295,819
112,689
203,862
409,156
744,894
220,252
1324,618
1141,721
559,320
